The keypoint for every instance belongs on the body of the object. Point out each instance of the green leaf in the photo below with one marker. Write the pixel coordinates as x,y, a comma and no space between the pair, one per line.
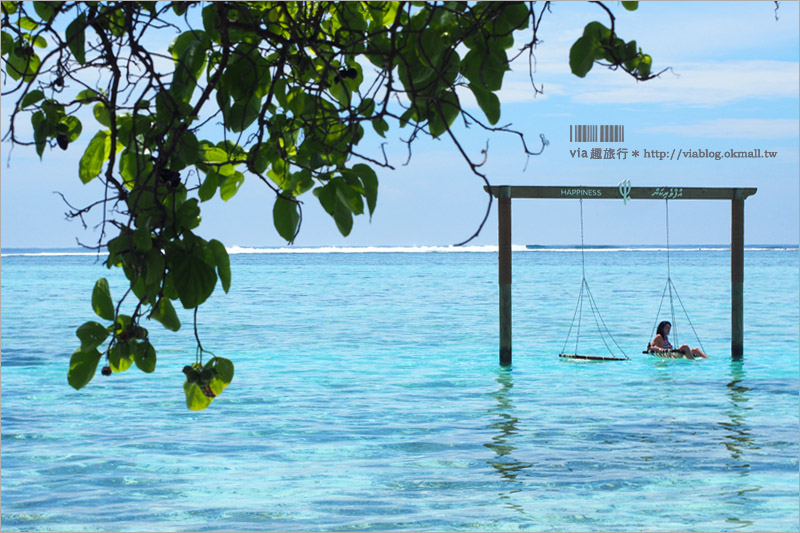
165,313
196,400
216,376
380,126
230,186
369,182
39,132
74,128
485,67
39,42
223,370
132,166
169,109
87,95
211,22
242,114
150,6
193,277
44,10
95,155
223,263
179,8
644,66
343,217
101,114
515,15
27,24
488,102
187,152
122,323
144,355
101,300
212,154
442,116
31,98
261,155
23,63
366,107
142,240
76,38
383,13
154,266
327,196
82,367
286,217
350,194
581,56
630,6
92,334
431,47
7,43
189,52
120,357
209,186
596,31
189,214
184,48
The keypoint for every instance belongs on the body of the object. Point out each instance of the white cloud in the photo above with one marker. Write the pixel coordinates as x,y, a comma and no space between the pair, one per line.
688,84
733,129
700,85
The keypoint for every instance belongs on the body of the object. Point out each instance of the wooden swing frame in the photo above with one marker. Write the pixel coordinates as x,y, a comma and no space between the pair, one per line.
504,194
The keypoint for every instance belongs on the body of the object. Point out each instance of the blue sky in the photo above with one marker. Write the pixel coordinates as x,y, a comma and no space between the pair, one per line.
733,86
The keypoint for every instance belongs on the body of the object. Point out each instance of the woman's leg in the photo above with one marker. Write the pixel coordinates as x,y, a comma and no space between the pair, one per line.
685,350
698,353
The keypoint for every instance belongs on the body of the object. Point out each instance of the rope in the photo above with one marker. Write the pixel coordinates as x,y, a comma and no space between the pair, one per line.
564,348
658,313
583,260
666,203
580,316
674,329
696,336
598,315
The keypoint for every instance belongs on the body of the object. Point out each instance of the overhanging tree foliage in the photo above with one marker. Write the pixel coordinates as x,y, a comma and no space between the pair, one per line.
296,86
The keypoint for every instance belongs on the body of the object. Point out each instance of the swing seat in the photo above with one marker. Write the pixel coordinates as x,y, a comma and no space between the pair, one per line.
592,357
672,354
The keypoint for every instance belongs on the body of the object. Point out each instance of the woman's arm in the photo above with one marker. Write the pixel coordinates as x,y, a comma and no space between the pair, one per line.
658,344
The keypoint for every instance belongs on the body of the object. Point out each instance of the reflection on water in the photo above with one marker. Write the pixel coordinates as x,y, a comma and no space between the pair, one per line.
506,426
737,433
738,438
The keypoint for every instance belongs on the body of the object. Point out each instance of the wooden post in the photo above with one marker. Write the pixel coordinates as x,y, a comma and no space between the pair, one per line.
737,277
504,261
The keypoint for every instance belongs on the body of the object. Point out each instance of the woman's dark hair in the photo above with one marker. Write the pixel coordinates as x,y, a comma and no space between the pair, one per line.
661,326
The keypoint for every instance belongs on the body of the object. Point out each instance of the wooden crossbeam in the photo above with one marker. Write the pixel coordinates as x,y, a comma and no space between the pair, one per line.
614,193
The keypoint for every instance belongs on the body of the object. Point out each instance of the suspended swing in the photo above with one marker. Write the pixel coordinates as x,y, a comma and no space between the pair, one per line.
669,288
585,293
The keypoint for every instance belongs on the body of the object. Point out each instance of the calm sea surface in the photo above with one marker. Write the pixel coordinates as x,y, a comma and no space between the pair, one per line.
368,396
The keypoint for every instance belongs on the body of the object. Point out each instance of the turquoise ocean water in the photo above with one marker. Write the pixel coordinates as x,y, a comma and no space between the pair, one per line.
368,396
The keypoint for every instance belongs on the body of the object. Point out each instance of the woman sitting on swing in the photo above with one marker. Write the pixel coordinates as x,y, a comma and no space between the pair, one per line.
660,344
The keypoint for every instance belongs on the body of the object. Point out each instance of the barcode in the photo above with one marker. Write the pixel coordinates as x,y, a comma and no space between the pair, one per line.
592,133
